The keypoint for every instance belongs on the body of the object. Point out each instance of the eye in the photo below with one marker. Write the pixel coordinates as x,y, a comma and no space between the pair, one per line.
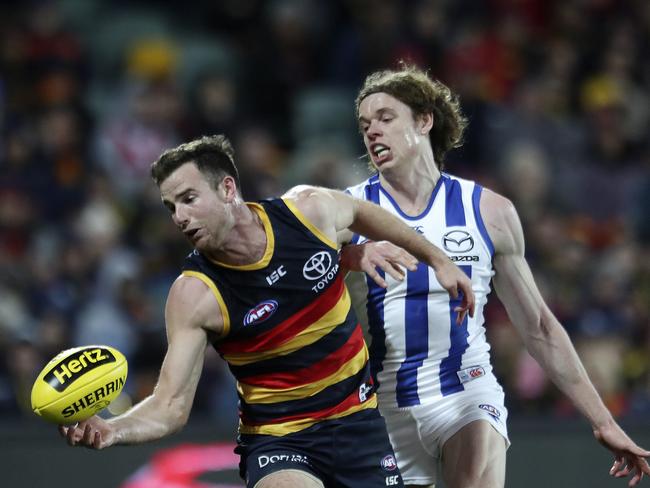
387,118
189,199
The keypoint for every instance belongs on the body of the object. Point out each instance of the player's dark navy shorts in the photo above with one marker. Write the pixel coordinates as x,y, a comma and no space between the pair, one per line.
353,451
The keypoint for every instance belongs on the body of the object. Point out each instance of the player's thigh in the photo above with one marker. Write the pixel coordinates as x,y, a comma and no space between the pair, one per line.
289,478
475,456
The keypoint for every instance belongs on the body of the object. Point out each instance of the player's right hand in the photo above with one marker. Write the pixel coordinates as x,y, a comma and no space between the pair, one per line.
629,458
94,433
371,256
456,282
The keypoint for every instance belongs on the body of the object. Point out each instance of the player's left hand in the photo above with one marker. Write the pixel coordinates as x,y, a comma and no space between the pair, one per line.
628,457
456,282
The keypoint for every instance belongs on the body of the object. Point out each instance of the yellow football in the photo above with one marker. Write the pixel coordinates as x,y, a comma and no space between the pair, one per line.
77,383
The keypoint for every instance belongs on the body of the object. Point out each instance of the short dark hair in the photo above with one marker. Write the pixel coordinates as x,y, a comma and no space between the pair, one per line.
213,156
413,87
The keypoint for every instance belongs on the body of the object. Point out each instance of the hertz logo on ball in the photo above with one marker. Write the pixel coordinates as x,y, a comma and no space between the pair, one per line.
68,370
78,383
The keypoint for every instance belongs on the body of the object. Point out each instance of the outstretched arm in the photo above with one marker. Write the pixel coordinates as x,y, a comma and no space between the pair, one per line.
167,409
333,211
546,339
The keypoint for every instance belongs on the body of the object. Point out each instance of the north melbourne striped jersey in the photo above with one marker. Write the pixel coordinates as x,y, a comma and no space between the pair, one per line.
418,353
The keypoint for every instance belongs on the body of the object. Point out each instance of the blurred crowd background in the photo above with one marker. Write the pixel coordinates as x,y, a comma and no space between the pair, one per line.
92,91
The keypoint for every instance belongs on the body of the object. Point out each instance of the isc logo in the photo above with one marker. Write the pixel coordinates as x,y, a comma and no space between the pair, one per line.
68,370
276,275
392,480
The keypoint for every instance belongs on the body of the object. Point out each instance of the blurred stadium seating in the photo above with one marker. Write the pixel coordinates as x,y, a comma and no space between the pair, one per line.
557,92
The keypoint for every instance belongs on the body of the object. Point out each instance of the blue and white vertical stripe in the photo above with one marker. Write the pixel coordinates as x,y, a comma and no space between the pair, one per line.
417,349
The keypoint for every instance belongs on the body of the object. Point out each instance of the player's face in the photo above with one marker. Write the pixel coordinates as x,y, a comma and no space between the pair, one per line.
200,212
391,135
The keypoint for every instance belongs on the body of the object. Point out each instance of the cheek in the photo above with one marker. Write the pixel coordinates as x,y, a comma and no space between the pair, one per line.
409,140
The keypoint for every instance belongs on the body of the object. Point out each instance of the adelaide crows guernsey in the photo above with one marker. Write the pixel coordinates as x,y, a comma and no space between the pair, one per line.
291,338
418,352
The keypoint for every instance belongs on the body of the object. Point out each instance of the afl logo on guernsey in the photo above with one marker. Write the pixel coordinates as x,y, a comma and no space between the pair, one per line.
317,265
261,312
389,463
458,241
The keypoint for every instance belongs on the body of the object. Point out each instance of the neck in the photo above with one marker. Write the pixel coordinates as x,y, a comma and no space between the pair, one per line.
245,242
411,184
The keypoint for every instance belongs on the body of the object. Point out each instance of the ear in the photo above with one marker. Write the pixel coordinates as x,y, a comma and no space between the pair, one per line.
424,123
229,188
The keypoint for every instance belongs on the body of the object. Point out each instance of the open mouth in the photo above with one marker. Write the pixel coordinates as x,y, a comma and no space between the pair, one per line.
380,153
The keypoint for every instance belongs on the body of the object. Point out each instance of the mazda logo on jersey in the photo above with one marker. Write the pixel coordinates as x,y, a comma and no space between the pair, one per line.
317,265
458,241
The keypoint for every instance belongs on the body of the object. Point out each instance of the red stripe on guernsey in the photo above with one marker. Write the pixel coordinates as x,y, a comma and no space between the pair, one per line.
349,402
317,371
288,329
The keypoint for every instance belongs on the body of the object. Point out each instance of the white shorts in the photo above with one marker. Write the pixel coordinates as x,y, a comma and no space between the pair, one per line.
418,433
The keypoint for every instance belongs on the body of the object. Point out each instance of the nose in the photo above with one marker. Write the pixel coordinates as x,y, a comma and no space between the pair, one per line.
180,218
373,129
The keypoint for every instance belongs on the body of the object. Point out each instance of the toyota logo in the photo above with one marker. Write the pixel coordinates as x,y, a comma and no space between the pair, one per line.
458,241
317,265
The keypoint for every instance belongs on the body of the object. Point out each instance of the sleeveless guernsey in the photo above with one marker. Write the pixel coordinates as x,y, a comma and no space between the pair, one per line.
291,338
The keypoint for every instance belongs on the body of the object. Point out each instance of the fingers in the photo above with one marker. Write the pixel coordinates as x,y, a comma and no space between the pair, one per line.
635,479
71,435
623,466
97,441
394,271
87,438
82,434
376,277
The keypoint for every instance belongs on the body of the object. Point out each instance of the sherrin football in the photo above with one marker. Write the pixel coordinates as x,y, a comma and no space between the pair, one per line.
78,383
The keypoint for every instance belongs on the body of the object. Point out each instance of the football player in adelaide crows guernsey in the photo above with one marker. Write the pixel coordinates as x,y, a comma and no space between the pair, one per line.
442,403
264,287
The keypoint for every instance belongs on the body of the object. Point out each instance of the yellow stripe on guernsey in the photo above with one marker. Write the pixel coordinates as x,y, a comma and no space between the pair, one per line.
297,425
307,223
256,394
323,326
217,294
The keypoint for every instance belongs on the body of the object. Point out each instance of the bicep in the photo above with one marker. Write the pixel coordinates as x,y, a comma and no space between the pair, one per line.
513,280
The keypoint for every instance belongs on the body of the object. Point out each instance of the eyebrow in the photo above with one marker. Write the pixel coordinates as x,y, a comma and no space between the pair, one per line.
168,202
379,112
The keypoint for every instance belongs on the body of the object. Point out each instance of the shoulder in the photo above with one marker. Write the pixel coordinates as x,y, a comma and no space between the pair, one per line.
192,303
313,201
501,221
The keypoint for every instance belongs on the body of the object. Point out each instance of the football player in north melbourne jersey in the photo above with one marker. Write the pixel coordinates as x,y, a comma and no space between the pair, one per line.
441,401
264,287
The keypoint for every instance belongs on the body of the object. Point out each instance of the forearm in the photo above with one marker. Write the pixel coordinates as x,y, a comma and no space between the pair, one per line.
149,420
550,345
377,224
